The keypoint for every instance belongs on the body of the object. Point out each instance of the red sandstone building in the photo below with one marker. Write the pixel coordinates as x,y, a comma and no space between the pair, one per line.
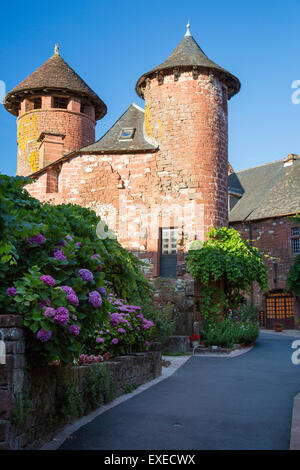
159,176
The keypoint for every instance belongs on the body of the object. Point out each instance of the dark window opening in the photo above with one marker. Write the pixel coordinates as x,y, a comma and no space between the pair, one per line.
127,133
295,240
168,252
37,103
81,107
59,102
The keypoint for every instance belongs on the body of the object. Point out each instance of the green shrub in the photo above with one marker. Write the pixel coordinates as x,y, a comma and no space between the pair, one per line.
45,249
229,332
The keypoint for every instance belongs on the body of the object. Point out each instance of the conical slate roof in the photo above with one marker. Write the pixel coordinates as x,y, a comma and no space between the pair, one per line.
54,75
187,55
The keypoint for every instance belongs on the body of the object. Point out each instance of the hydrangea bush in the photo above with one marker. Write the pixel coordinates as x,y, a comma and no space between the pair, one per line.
126,329
57,273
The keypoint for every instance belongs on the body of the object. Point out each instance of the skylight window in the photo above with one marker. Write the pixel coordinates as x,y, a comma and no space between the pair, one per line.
127,133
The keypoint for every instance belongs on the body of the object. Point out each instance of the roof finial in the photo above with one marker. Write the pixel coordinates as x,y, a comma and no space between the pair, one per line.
188,33
56,49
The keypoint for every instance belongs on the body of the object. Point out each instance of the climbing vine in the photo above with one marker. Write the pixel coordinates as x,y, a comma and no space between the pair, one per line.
225,256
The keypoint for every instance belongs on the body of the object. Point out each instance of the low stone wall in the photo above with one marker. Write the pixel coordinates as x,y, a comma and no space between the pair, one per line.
176,344
36,403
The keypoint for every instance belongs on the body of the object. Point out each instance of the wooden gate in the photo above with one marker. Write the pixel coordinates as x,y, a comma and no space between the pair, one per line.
280,308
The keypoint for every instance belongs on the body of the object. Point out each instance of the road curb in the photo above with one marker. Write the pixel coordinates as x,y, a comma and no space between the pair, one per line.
295,427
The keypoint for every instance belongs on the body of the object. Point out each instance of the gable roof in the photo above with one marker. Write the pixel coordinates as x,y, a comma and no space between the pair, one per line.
54,75
270,190
188,54
111,142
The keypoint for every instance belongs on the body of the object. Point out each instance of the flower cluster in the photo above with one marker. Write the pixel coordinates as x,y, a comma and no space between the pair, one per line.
36,240
85,359
95,299
126,329
61,316
59,255
48,280
11,291
44,335
86,275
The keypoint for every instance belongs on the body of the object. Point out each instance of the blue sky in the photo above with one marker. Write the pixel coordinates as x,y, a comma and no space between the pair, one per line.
110,44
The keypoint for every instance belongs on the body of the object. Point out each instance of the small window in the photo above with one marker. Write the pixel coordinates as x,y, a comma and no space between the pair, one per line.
127,133
168,253
37,103
59,102
295,231
296,246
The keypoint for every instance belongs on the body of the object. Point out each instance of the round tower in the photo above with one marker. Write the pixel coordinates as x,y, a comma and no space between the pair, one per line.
186,112
56,114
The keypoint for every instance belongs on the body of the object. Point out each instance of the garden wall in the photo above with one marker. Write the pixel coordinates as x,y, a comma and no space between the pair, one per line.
36,403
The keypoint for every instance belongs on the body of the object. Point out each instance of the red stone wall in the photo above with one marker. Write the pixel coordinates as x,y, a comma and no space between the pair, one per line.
188,118
273,238
78,128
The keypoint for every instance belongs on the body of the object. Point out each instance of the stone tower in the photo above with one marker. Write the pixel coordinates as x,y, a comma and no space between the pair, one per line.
186,113
56,114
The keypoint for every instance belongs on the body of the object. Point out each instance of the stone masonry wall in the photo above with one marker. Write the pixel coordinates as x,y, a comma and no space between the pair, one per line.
28,397
273,238
78,128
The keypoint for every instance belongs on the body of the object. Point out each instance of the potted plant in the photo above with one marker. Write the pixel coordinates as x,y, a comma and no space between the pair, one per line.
195,340
278,327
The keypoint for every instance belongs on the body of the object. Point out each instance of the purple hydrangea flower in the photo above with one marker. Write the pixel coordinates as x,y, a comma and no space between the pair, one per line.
138,328
96,257
78,244
102,290
86,275
11,291
74,330
62,315
115,341
121,330
59,255
68,290
101,332
69,238
73,299
99,340
48,280
50,312
44,335
45,303
38,239
107,331
95,299
147,343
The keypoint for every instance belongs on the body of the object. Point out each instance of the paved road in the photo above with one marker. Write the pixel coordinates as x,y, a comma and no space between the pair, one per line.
209,403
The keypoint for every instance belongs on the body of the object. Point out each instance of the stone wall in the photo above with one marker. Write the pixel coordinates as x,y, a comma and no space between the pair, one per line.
36,403
273,238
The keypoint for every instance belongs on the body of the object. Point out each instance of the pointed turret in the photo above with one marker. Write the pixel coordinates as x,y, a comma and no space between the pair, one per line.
189,55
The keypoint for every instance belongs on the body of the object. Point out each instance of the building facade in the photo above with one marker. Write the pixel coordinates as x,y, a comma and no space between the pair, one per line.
159,176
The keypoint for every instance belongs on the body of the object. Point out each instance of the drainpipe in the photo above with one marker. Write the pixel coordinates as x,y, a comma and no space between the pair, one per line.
251,243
